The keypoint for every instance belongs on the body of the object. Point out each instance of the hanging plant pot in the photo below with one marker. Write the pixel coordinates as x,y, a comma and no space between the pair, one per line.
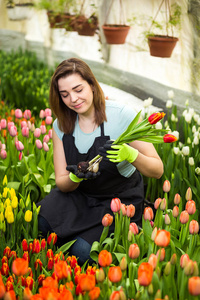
162,46
20,11
115,34
86,26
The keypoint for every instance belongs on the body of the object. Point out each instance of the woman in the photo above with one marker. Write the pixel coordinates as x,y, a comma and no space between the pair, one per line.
85,122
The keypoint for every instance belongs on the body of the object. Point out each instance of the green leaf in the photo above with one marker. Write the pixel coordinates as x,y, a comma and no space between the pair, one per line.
14,184
65,247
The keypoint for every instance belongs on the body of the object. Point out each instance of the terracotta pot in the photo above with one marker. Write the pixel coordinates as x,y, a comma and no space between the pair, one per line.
162,46
86,26
115,34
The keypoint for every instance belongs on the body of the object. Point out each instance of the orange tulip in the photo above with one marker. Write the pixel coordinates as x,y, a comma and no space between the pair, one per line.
107,220
62,270
161,254
105,258
49,293
134,251
145,274
175,211
169,138
194,285
123,209
27,294
190,207
94,293
157,203
20,266
50,282
194,227
166,186
130,210
148,213
184,217
2,288
115,274
162,238
155,117
65,295
184,260
10,295
118,295
86,282
153,260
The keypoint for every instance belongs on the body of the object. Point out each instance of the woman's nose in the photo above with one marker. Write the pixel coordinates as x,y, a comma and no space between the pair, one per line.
74,97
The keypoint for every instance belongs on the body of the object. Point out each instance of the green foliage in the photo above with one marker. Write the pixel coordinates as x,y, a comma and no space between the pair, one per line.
24,80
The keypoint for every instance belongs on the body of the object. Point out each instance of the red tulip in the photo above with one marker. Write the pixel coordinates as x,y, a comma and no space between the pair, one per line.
43,244
41,278
115,274
184,217
169,138
145,274
148,213
36,246
24,245
194,285
29,282
52,236
155,117
20,266
104,258
107,220
4,269
37,264
162,238
7,251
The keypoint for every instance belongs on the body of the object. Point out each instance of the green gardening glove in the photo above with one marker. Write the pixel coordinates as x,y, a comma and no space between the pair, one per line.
121,153
74,178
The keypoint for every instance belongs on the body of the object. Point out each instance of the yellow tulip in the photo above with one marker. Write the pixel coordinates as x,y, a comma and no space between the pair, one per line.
5,192
14,202
7,202
1,207
12,193
1,217
28,216
5,180
8,209
10,217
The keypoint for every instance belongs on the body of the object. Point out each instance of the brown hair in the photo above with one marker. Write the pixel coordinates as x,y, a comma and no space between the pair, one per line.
67,117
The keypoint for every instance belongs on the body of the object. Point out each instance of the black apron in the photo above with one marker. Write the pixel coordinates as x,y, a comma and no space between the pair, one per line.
79,213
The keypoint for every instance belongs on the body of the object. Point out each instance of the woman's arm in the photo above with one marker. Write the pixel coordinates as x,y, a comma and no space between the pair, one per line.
148,162
63,182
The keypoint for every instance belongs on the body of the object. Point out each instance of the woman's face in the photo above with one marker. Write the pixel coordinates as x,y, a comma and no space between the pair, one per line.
76,93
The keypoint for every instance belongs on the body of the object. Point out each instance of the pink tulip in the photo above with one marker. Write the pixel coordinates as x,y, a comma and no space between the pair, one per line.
46,138
45,147
177,199
166,186
190,207
123,209
175,211
115,204
37,132
194,227
19,146
47,112
43,129
130,210
3,123
42,114
157,203
13,131
48,120
3,146
27,114
25,131
133,228
153,260
18,113
107,220
23,124
3,154
20,155
184,217
134,251
148,213
29,125
50,133
38,144
10,124
184,260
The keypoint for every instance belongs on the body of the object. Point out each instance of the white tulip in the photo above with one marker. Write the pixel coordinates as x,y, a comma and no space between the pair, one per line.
176,150
185,150
194,129
166,124
147,102
176,134
198,121
197,171
196,140
180,144
170,94
188,117
158,125
191,161
187,102
169,104
195,117
173,118
184,112
191,111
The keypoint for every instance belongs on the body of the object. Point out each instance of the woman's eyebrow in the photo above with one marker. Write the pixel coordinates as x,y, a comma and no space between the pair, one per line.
72,88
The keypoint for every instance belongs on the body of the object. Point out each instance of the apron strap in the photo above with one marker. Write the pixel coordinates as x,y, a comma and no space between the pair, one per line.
102,129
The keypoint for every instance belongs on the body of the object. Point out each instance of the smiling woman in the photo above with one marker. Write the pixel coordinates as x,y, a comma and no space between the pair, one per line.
85,122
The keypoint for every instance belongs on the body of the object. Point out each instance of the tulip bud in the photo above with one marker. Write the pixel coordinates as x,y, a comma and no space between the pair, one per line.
107,220
134,251
100,275
130,236
173,259
166,186
37,132
3,123
3,154
161,254
191,161
45,147
25,131
19,146
194,227
48,120
148,214
196,269
177,199
10,217
115,204
130,210
168,268
190,207
157,203
133,228
186,150
184,260
184,217
123,263
28,216
167,219
154,233
50,133
42,114
38,144
175,211
169,104
150,289
153,260
189,268
27,114
194,286
188,194
46,138
163,204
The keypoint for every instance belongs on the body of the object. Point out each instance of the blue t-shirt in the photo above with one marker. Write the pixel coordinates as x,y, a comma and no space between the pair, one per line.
119,116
